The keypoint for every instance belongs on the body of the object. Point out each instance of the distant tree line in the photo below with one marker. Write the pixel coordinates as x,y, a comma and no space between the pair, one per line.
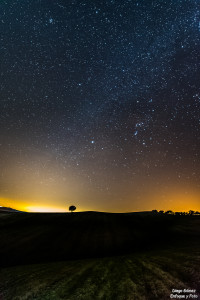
177,213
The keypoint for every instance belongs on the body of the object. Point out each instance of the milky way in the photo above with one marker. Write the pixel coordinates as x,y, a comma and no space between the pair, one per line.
100,104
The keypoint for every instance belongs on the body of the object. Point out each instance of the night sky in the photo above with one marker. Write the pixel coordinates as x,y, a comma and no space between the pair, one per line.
100,105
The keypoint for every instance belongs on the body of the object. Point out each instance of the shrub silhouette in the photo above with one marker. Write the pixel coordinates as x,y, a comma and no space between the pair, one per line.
72,208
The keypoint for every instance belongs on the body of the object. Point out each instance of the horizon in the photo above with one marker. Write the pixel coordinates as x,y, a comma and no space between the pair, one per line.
54,210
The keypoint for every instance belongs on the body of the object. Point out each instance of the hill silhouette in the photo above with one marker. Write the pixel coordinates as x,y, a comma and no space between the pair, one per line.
8,210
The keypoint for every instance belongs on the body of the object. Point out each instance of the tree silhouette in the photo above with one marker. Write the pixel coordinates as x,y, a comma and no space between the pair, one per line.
177,213
191,212
72,208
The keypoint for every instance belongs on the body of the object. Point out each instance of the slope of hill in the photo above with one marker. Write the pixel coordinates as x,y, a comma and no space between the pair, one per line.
8,210
34,238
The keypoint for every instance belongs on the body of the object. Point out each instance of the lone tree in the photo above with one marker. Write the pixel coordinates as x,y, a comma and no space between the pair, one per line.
72,208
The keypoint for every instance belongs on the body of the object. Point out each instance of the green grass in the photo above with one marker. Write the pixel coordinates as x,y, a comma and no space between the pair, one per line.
140,276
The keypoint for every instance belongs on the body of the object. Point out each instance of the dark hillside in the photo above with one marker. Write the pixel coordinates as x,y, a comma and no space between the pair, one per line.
39,237
8,210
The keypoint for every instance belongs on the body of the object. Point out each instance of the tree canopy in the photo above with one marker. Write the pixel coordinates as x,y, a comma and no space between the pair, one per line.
72,208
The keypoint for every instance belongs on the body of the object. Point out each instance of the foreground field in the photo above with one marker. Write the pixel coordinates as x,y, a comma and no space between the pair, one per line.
146,276
88,256
40,238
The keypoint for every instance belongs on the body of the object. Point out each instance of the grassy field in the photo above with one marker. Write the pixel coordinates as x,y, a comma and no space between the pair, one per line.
146,276
133,256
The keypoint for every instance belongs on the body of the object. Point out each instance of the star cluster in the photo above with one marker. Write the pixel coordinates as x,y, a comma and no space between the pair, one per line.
100,103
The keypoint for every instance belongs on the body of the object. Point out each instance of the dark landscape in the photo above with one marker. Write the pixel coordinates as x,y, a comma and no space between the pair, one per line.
94,255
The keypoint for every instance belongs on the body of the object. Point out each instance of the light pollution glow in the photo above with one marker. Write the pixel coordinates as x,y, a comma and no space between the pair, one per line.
175,201
43,185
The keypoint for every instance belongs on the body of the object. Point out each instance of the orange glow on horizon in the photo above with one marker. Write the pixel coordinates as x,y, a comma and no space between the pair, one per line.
13,203
175,201
24,206
45,209
29,206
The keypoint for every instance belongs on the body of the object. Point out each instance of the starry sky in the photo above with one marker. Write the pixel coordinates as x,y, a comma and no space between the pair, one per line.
100,104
